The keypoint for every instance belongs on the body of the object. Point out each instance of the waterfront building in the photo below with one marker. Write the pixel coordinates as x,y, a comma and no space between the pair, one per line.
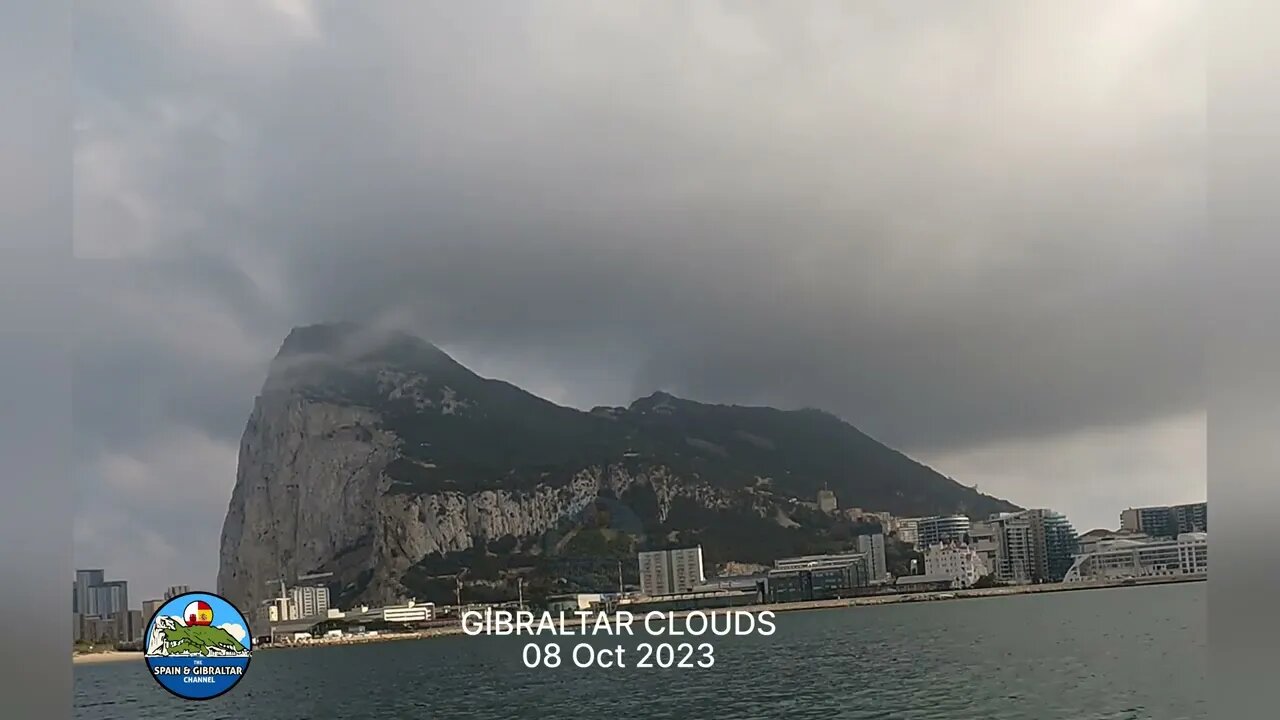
942,529
668,572
908,530
1165,521
309,601
826,501
872,546
176,590
1122,558
409,613
1033,546
961,564
1093,540
817,577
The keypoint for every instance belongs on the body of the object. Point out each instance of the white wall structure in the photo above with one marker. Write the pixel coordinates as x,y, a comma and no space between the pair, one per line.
412,612
961,563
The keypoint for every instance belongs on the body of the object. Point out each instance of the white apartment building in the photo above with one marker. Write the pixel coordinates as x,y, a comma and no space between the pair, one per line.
873,547
669,572
961,563
1120,558
311,601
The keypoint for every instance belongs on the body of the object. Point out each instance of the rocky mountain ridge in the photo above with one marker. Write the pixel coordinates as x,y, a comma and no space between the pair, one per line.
380,459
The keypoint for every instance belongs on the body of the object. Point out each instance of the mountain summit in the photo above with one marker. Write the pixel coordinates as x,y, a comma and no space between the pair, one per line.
378,458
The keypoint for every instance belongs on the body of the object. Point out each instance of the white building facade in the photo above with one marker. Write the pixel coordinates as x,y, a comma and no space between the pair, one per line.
309,601
669,572
962,564
410,613
1187,555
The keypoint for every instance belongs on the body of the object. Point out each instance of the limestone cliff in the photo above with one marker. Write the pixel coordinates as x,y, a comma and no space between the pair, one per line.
373,456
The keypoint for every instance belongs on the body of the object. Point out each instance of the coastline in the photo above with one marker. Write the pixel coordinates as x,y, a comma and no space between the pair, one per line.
108,656
895,599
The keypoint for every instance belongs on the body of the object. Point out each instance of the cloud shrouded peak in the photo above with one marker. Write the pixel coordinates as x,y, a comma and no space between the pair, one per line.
956,229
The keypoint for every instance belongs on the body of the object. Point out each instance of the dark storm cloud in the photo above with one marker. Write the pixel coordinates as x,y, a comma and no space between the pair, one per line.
954,228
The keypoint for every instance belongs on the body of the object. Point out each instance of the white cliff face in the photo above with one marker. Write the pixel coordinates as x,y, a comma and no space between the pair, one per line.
311,495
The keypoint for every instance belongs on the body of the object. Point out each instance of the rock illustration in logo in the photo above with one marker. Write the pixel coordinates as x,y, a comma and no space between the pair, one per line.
198,646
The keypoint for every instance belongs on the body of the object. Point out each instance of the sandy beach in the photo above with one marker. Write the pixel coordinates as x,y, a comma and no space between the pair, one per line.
104,657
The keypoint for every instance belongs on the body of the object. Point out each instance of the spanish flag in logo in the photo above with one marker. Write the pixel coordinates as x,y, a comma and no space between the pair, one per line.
198,613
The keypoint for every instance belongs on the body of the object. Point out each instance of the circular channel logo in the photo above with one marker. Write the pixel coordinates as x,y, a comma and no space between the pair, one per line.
198,646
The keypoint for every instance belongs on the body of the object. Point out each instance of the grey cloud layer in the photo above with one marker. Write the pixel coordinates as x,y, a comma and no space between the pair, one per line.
953,228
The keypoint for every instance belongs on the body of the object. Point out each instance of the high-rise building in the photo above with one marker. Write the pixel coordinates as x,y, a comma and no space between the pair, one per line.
112,597
1034,546
668,572
86,600
176,590
942,529
309,601
873,547
1162,521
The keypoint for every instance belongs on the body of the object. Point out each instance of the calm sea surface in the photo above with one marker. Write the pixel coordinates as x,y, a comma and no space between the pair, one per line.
1103,655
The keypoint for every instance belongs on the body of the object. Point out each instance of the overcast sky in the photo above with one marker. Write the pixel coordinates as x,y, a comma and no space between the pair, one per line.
973,230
